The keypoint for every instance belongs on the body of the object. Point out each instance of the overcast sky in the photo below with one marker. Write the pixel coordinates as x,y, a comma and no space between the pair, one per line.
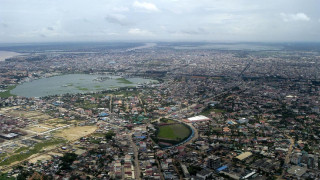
164,20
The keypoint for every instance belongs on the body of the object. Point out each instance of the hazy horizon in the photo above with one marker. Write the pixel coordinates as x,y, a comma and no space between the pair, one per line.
163,20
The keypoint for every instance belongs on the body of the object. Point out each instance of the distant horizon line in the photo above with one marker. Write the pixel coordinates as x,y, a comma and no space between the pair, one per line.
158,41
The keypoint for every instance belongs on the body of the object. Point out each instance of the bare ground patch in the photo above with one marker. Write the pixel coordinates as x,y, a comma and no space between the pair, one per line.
74,133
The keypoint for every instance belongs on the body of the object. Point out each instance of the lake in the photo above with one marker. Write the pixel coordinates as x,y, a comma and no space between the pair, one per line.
74,83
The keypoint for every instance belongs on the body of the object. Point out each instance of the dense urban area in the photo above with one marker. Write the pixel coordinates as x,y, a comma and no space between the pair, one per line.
250,111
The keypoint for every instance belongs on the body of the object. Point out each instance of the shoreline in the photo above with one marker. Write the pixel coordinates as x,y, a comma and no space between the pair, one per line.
8,54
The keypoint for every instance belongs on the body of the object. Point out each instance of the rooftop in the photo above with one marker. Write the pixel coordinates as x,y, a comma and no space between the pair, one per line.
244,155
297,170
198,118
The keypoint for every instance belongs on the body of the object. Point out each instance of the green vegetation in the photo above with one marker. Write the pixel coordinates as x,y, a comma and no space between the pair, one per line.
109,135
7,93
3,155
67,160
98,134
219,110
5,177
82,88
98,95
21,149
208,110
36,149
194,169
173,132
127,93
123,81
86,105
168,121
95,141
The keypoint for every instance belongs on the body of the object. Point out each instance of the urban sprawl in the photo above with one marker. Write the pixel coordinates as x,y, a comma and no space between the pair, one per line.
211,114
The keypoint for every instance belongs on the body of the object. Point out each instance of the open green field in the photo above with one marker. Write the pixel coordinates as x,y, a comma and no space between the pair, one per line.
126,93
98,134
175,132
86,105
124,81
82,88
7,93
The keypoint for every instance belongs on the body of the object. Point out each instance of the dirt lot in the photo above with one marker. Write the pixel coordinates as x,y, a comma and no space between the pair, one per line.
75,133
7,109
38,129
15,112
55,154
54,121
40,158
24,114
41,117
46,126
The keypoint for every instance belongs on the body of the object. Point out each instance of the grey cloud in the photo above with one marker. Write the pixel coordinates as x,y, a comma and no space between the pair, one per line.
85,20
5,25
195,31
211,20
117,19
50,28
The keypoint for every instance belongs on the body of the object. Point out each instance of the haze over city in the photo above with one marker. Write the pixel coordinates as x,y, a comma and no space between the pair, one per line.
159,20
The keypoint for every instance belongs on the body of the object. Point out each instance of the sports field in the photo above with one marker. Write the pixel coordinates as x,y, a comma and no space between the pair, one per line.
175,132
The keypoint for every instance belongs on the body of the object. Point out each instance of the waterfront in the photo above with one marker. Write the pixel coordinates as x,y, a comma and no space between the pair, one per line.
7,54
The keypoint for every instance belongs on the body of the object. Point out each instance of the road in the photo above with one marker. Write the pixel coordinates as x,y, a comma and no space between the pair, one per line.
287,159
161,174
247,67
110,105
195,136
137,169
176,169
142,105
